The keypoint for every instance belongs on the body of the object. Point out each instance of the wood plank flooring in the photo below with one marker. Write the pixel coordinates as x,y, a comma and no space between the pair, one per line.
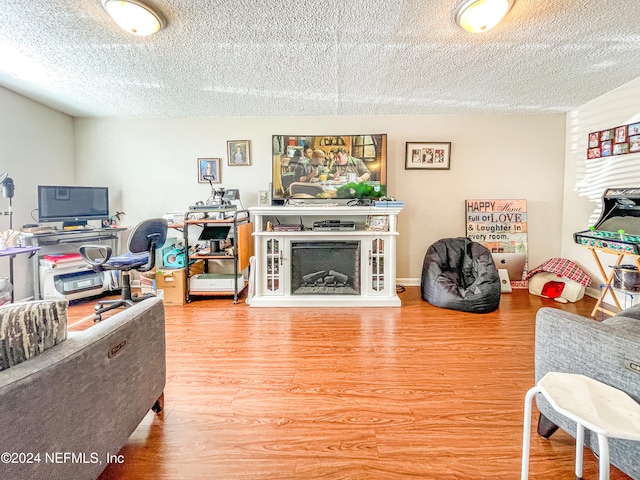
382,393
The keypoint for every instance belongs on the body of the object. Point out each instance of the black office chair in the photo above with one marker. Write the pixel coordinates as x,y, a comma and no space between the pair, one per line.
145,238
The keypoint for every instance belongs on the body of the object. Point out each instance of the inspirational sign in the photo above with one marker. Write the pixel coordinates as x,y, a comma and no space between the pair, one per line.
499,225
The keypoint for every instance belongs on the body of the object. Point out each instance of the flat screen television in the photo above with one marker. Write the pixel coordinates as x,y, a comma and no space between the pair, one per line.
73,206
345,166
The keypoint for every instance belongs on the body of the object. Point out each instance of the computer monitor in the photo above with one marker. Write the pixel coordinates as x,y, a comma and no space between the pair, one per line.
214,234
71,205
218,232
513,263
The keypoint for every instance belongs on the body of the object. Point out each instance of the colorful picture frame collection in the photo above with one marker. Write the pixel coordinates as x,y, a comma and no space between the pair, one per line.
614,141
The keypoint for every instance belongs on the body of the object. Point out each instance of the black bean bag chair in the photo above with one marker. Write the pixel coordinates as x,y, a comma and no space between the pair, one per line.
459,274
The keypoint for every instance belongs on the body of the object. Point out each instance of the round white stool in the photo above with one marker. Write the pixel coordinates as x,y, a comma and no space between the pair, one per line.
605,410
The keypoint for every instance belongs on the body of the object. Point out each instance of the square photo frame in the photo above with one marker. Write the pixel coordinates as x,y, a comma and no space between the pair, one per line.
378,223
238,153
428,156
264,197
209,170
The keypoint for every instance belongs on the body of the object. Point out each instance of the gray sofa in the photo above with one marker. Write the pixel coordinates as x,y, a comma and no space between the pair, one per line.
66,409
566,342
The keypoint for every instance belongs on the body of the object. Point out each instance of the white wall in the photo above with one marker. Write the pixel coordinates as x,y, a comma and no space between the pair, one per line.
150,167
618,107
36,148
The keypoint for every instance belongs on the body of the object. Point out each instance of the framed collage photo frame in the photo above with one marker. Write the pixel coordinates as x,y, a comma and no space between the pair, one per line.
209,170
238,153
620,140
428,156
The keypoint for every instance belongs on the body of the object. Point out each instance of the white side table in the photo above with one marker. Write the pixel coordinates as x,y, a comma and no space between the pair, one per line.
605,410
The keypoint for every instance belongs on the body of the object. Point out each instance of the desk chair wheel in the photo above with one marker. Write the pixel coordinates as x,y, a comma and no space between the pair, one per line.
97,318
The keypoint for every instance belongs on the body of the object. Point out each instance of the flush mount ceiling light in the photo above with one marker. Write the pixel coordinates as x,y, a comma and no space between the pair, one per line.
481,15
134,16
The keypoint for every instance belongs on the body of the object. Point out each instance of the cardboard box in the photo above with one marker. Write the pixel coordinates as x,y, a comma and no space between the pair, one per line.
170,285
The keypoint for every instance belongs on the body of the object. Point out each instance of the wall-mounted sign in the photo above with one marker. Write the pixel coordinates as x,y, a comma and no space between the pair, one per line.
501,226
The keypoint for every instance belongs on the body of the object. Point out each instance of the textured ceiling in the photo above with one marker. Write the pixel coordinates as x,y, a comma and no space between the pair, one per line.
221,58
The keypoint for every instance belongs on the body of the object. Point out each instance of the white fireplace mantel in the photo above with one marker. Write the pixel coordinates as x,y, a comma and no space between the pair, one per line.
273,276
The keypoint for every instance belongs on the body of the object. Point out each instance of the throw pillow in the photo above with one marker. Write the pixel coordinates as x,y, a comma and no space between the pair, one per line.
28,329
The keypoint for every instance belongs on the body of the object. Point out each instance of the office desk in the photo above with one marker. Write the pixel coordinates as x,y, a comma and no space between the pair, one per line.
67,241
11,253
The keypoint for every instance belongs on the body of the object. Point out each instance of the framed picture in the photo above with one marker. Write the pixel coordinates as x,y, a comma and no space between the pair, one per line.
621,134
238,152
620,140
620,148
593,153
428,156
263,197
209,170
377,222
606,135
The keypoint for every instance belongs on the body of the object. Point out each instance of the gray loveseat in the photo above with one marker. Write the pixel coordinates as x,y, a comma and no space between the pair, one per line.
66,409
608,351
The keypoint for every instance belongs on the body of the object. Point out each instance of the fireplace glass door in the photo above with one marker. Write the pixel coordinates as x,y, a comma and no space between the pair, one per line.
325,268
376,260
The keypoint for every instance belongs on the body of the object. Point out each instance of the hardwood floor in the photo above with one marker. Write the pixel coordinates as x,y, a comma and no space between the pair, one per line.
384,393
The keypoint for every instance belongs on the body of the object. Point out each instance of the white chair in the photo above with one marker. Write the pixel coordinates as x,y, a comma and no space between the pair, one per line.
605,410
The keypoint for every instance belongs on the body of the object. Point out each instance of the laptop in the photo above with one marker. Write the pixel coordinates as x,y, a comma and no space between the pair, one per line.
513,263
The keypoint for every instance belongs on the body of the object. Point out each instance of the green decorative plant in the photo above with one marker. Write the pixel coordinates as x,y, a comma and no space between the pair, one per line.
361,190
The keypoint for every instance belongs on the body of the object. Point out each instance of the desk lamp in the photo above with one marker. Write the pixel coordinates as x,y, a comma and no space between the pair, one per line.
7,192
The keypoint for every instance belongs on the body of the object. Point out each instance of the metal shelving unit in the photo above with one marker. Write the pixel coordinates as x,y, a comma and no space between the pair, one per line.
240,232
